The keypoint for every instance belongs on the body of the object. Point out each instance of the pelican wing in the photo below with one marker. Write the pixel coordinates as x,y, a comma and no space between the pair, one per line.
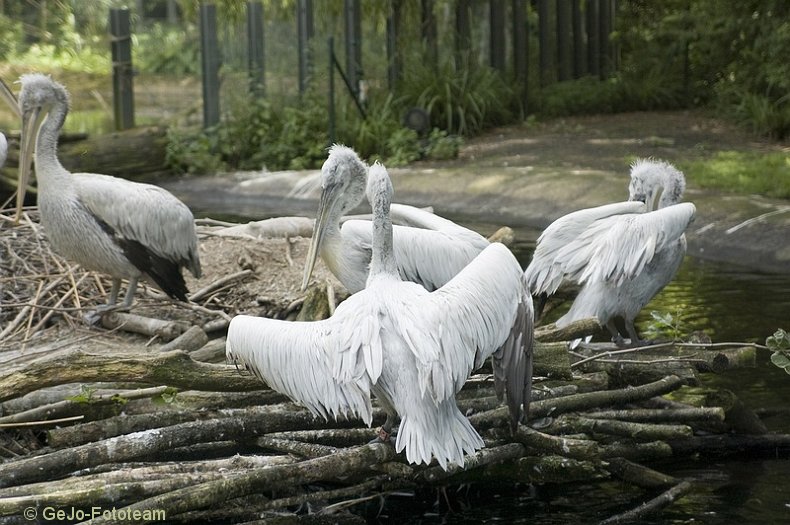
485,309
143,213
328,366
427,257
548,269
618,248
418,218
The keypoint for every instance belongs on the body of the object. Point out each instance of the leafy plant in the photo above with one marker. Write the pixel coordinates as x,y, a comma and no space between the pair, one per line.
167,397
442,146
165,49
779,344
85,395
665,325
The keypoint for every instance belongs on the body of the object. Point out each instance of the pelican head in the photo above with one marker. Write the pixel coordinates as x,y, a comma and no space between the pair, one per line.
38,97
656,183
379,189
343,180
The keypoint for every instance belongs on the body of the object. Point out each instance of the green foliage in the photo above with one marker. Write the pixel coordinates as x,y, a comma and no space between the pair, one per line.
442,146
167,397
85,395
744,172
779,344
665,325
11,34
461,102
583,96
165,49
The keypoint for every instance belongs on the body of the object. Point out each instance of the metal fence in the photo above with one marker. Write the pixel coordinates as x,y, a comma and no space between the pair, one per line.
278,53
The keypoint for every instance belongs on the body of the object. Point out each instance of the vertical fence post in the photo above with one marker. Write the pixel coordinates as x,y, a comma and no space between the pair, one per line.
497,34
255,48
544,34
331,111
122,85
605,28
593,39
578,39
305,31
521,49
463,34
210,63
353,44
394,63
563,40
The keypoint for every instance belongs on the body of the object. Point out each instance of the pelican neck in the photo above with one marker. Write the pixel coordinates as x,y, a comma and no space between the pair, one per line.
47,163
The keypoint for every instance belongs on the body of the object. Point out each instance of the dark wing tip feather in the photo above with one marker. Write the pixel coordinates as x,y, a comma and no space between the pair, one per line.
165,272
513,363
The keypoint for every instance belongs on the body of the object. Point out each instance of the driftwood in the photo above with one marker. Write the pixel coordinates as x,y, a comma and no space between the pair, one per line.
598,413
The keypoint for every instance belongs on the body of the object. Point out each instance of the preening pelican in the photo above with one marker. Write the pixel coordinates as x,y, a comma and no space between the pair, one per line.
429,255
121,228
412,348
622,254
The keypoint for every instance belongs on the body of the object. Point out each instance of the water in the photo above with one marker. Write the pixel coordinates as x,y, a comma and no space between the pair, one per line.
729,303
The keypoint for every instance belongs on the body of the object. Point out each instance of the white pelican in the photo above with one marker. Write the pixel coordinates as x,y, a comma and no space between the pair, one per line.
3,150
412,348
121,228
429,255
622,254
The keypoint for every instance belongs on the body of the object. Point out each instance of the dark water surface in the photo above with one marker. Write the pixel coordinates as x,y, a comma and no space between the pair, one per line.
729,303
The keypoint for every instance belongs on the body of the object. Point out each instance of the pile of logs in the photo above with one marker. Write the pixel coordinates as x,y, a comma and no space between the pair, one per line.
102,426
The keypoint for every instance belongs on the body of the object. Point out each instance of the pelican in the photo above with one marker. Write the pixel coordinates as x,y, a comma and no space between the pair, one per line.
429,255
622,254
125,229
412,348
3,150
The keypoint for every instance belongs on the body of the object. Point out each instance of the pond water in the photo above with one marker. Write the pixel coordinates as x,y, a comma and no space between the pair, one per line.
729,303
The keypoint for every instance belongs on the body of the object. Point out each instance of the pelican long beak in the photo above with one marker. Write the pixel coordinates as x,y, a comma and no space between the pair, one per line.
31,123
326,204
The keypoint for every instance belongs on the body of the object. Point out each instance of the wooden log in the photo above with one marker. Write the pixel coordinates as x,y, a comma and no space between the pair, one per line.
637,474
583,401
551,360
725,445
68,407
546,469
239,424
650,507
211,352
148,326
118,154
174,368
572,448
669,415
577,329
483,457
190,340
343,463
737,416
116,426
636,431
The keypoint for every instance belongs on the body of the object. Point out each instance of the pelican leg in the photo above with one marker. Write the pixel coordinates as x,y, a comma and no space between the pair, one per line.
632,333
385,432
616,337
127,301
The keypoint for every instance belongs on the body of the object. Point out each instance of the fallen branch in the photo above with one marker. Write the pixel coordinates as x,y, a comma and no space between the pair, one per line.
343,463
650,507
174,368
148,326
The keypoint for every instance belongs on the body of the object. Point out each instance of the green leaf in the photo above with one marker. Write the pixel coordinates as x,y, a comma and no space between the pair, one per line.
780,360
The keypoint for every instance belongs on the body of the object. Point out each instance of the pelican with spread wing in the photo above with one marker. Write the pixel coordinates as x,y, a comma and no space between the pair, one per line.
430,254
124,229
622,254
412,348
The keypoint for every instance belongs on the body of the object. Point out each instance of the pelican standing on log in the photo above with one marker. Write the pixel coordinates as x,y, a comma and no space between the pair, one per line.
622,254
412,348
429,255
124,229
